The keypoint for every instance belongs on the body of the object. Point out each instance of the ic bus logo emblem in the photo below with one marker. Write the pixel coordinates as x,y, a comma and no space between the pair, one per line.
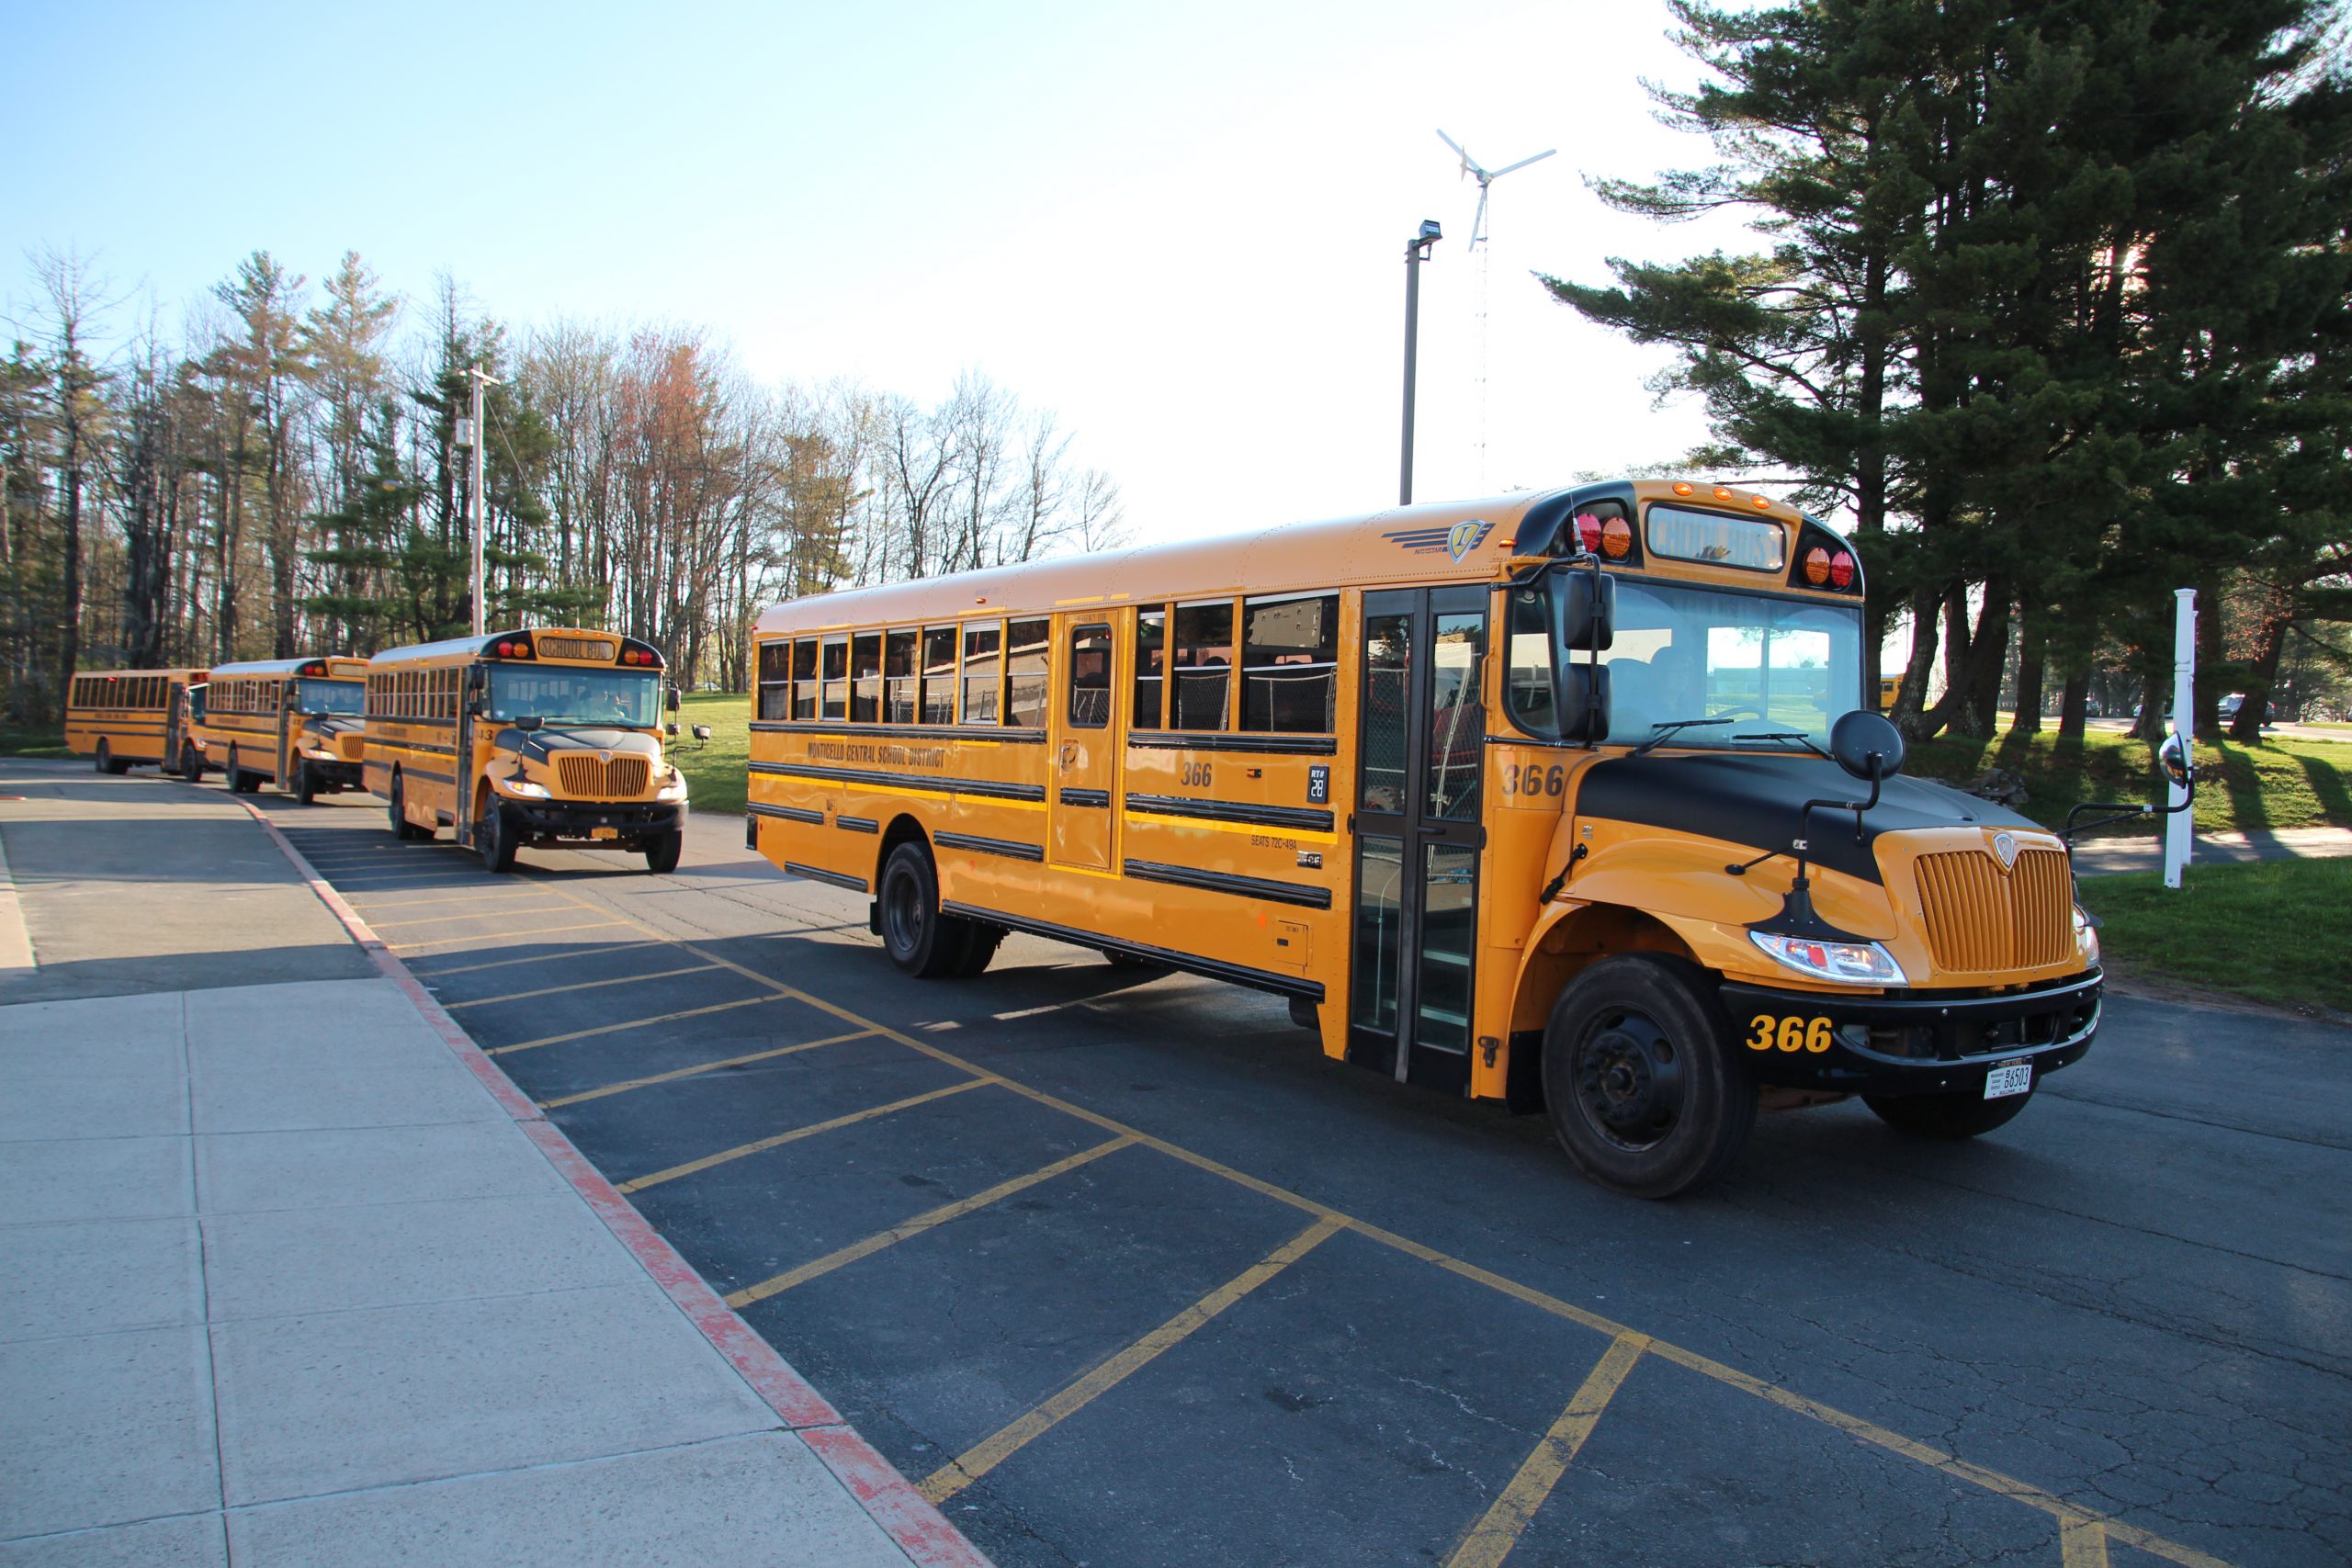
2005,846
1457,541
1464,537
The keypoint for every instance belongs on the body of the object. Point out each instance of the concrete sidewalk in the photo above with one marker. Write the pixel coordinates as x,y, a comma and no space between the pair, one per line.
288,1277
2101,857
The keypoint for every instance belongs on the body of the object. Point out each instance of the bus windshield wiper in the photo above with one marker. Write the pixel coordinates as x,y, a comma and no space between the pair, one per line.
1658,733
1799,736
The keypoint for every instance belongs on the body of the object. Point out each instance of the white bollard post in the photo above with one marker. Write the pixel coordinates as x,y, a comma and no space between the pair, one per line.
2178,829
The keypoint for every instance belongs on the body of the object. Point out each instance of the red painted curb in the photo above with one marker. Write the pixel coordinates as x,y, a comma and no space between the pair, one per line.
912,1524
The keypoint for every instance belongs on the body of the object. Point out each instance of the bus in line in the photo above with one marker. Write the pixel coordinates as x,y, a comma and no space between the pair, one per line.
118,717
292,722
529,738
1572,800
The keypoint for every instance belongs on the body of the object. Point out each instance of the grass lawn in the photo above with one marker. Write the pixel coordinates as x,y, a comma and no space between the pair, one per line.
2277,931
2279,784
46,743
715,774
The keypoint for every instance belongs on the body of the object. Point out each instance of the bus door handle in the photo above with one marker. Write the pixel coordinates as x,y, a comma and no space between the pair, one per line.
1430,829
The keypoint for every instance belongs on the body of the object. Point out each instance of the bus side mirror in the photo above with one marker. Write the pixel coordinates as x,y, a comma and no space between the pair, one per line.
673,701
1584,704
1587,610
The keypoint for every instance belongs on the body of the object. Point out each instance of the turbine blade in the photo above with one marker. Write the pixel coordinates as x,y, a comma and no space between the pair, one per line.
1449,142
1499,174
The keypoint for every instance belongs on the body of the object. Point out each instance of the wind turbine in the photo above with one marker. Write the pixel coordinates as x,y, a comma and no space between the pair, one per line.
1482,244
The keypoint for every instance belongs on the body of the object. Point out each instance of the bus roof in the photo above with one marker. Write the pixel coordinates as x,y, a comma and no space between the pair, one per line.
1466,541
470,647
182,673
339,667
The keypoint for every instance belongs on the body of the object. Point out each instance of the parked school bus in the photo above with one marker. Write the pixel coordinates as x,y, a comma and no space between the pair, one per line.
529,738
121,716
1565,799
293,722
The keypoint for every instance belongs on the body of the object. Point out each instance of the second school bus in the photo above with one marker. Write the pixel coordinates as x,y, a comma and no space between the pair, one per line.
1532,800
294,722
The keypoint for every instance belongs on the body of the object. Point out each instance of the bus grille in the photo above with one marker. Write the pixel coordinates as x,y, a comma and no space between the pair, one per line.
1980,922
584,778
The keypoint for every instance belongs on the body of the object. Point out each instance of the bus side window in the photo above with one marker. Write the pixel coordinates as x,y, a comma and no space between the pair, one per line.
901,677
1026,648
983,671
804,679
1203,666
1151,665
938,675
1090,677
866,677
775,679
836,669
1290,664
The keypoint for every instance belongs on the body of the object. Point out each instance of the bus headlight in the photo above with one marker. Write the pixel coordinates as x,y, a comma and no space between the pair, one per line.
2085,935
317,755
674,790
524,789
1846,962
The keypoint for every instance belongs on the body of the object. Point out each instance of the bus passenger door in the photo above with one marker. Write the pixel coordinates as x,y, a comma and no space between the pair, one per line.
1082,734
1420,755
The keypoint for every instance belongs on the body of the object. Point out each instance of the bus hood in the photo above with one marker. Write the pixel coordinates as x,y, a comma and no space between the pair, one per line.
1753,798
540,744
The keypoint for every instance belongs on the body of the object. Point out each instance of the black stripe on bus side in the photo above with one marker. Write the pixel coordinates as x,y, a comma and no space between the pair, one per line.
899,731
855,884
1214,740
1214,968
788,813
857,824
1225,882
905,781
1005,847
1231,811
1099,797
428,774
389,743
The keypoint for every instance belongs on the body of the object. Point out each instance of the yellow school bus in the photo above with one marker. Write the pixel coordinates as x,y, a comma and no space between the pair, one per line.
293,722
1567,799
528,738
121,716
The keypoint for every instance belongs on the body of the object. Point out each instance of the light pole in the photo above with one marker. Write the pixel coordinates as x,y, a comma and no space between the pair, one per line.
1416,251
471,435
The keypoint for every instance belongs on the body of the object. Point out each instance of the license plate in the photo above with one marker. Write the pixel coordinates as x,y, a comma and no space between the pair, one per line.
616,832
2015,1078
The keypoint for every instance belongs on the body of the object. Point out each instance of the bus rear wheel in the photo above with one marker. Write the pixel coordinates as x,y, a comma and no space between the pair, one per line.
662,850
1638,1081
191,766
240,781
919,940
1949,1116
402,829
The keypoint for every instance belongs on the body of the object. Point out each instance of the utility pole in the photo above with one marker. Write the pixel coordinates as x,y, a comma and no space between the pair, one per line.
1416,251
2179,831
470,436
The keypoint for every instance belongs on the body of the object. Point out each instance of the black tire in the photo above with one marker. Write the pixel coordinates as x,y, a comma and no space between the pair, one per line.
302,789
191,766
240,781
662,852
1639,1077
1946,1116
494,837
919,940
108,763
980,943
402,829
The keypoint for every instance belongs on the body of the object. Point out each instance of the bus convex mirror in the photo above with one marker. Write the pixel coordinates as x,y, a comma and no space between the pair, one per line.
529,722
1867,745
702,733
2172,759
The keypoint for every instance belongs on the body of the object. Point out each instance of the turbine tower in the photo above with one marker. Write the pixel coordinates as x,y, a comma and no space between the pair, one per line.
1482,244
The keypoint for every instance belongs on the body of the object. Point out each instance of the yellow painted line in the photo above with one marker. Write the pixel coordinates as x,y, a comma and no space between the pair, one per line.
1854,1425
702,1067
578,986
1491,1539
762,1145
2082,1543
579,952
477,915
374,902
500,936
631,1023
1074,1396
920,1224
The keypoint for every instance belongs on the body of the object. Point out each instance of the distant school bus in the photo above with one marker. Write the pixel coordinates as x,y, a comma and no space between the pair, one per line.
527,738
122,717
294,722
1532,800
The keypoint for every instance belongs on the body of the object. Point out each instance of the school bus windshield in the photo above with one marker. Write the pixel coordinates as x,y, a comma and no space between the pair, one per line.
626,699
1761,666
330,696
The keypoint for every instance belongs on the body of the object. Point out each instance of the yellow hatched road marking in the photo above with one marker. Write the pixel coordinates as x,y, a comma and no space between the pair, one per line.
577,986
376,902
2082,1543
476,915
1001,1445
1491,1539
702,1067
1854,1425
742,1151
929,1220
580,951
632,1023
500,936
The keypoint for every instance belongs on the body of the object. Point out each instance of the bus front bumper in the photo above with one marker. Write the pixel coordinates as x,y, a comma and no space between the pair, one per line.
624,822
1940,1043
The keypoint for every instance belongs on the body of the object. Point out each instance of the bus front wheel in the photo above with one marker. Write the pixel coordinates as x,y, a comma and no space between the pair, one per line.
919,940
495,837
304,788
662,852
1638,1079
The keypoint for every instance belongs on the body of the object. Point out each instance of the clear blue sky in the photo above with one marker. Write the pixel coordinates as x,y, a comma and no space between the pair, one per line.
1179,227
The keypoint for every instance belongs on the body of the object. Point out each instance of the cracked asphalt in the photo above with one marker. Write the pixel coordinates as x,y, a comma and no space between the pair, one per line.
2133,1299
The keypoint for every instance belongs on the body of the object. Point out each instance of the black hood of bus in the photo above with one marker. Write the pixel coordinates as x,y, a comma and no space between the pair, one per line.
1754,798
541,744
334,724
